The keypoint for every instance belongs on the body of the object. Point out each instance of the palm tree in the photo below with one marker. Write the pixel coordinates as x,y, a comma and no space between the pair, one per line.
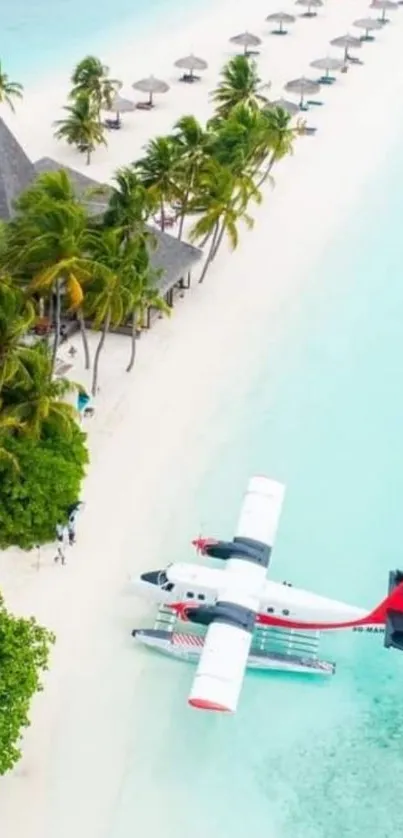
81,127
277,138
17,315
39,404
50,250
235,140
222,200
158,170
91,79
7,424
110,297
240,82
191,141
141,280
130,204
9,90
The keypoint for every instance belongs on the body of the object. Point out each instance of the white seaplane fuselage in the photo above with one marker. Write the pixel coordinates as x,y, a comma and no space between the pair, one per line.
279,603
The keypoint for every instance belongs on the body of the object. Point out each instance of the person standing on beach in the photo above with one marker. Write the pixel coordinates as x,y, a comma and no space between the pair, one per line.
62,538
72,512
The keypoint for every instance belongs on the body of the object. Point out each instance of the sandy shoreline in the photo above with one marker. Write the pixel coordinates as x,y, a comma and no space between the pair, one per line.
184,367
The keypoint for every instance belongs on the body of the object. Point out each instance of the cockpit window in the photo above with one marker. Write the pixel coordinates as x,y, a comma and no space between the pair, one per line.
168,587
162,578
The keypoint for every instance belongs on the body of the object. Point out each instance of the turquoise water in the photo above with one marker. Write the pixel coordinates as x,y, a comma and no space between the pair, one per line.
41,37
323,413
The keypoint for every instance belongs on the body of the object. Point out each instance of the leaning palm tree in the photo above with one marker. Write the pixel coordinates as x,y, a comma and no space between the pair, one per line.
240,82
81,127
91,79
222,200
235,140
40,405
110,297
9,90
141,280
158,173
191,141
276,139
49,249
130,204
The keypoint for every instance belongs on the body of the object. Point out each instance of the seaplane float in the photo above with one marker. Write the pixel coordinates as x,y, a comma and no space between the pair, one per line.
247,619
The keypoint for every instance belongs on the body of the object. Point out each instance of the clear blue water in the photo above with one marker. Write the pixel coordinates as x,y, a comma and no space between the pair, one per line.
41,37
324,413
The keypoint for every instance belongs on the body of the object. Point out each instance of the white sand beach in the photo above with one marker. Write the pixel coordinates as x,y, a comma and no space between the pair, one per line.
148,438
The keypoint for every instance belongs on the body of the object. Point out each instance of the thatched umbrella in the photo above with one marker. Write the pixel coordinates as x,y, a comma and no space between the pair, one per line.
246,40
310,5
384,6
368,24
191,63
280,18
285,105
120,105
303,87
346,42
329,65
151,85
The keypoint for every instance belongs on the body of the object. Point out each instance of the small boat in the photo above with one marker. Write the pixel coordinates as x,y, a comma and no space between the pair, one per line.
295,656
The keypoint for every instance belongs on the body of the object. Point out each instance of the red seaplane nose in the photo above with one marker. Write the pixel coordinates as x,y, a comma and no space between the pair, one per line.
202,543
179,608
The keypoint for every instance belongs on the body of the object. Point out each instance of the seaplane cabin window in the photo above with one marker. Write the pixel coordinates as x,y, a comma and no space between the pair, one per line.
270,610
286,612
168,587
190,594
201,596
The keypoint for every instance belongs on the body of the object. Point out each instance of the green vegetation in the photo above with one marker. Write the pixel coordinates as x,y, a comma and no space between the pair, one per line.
24,654
58,261
9,90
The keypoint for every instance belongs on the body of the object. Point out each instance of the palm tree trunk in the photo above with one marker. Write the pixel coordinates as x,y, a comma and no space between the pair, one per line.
219,239
183,214
56,339
210,253
84,337
134,342
162,215
268,170
98,353
88,160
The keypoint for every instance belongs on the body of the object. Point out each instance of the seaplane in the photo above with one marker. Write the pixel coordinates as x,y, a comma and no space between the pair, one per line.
237,605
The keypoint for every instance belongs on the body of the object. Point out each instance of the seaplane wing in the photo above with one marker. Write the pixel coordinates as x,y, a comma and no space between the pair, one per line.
231,620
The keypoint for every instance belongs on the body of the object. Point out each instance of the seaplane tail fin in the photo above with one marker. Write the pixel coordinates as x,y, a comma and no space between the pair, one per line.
391,605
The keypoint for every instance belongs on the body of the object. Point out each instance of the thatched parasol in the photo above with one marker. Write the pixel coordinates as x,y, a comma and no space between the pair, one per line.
384,6
346,42
281,18
303,87
151,85
246,40
310,5
285,105
369,24
191,63
329,65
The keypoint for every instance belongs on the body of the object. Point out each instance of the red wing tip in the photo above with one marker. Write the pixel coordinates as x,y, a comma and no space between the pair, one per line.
204,704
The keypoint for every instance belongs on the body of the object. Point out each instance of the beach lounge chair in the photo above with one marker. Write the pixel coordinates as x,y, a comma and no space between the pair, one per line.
113,124
144,106
314,102
189,78
327,80
308,131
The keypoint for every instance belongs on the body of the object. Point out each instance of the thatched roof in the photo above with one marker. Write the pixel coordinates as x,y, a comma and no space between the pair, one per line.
174,258
16,171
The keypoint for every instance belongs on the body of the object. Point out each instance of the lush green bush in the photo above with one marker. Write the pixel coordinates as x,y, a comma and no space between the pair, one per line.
24,653
35,497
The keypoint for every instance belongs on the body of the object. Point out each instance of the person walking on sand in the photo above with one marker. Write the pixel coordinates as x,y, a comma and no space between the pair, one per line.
62,537
72,512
